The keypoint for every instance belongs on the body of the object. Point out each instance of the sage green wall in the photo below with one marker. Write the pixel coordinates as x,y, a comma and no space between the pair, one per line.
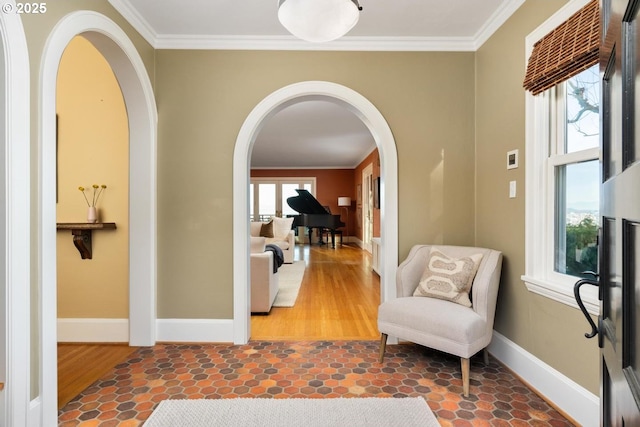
551,331
37,29
203,99
433,102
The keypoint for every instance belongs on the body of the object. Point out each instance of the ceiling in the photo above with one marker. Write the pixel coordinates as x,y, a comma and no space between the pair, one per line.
313,134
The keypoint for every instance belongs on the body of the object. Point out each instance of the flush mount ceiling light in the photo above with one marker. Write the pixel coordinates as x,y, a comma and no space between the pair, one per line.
318,20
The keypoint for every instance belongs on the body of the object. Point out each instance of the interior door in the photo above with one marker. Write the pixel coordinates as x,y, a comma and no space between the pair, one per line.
367,207
620,208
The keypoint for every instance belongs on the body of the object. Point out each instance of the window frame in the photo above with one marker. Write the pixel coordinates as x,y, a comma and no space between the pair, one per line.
541,123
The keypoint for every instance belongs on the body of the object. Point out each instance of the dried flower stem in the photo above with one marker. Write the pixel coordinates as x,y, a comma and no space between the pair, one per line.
85,196
97,191
93,199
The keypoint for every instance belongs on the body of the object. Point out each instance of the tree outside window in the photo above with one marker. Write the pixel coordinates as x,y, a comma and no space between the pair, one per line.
575,165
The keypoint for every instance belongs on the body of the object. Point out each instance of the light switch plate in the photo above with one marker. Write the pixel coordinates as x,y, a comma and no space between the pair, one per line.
512,189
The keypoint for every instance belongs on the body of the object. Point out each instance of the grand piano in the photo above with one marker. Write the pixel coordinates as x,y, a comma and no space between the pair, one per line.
313,215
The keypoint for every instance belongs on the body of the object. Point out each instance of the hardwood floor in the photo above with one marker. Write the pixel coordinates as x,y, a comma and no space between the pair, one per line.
80,365
338,299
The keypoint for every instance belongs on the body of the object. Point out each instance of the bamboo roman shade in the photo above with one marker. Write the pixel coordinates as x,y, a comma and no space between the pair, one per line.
566,51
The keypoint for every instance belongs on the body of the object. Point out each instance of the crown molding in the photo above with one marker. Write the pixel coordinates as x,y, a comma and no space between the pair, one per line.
496,20
292,43
287,42
266,168
136,20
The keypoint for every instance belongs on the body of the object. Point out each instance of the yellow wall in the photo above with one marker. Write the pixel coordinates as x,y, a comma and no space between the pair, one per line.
549,330
93,148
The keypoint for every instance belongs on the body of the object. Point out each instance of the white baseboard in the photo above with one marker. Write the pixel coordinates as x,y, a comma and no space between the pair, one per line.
35,408
576,401
356,240
93,330
195,330
117,330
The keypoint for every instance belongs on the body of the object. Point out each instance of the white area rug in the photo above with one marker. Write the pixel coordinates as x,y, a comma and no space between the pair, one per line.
289,281
382,412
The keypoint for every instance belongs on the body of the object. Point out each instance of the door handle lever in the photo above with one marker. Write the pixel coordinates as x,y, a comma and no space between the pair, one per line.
576,293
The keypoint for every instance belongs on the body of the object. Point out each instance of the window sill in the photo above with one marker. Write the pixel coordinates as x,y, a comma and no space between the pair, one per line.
564,294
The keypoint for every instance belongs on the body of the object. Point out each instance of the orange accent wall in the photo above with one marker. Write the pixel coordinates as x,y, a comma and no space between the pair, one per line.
330,184
334,183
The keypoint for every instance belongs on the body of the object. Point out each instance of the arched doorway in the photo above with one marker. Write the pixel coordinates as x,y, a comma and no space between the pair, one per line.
136,88
92,148
14,197
385,142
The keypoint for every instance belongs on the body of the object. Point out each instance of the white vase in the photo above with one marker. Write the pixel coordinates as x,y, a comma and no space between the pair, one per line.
92,215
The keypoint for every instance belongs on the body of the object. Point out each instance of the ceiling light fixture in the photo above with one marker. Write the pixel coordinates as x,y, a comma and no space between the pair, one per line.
318,20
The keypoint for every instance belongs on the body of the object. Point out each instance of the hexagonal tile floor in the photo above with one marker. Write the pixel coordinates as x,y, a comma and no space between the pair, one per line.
319,369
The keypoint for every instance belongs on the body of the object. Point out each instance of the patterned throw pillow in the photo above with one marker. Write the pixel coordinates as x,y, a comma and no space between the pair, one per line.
448,278
266,230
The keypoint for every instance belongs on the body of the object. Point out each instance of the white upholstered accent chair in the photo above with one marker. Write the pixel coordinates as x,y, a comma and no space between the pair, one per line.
440,324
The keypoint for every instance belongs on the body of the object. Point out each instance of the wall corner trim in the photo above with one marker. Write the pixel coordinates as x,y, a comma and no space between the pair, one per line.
570,397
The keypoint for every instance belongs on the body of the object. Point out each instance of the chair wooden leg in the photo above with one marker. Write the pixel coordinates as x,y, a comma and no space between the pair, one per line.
485,353
465,376
383,345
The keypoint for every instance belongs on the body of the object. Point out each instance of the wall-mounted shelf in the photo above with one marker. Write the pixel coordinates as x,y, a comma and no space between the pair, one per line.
82,231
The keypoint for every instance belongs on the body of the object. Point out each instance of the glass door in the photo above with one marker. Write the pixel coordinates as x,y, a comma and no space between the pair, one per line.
268,196
288,189
266,200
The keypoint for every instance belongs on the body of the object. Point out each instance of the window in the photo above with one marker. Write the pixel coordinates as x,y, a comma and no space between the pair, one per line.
575,172
562,180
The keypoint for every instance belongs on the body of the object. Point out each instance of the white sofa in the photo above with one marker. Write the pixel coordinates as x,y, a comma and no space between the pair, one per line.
283,235
264,282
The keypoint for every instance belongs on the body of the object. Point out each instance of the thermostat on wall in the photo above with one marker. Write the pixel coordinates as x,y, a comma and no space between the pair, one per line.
512,159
